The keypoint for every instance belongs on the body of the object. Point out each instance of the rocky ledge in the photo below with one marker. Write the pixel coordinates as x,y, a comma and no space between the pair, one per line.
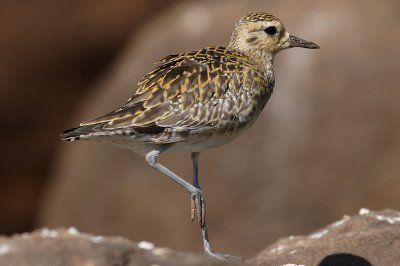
368,238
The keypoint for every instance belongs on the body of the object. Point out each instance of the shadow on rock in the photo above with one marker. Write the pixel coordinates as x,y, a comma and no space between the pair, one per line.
344,259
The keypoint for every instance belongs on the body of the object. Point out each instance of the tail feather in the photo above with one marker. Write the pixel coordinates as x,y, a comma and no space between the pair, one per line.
92,132
98,131
76,133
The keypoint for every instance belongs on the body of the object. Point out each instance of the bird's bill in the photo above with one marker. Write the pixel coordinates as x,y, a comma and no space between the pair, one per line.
298,42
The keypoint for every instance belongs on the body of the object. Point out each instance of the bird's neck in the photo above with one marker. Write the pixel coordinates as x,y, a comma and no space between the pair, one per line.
262,58
264,61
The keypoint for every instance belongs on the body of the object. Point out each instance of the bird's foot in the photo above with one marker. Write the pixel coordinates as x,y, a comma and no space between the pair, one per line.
198,207
209,252
221,256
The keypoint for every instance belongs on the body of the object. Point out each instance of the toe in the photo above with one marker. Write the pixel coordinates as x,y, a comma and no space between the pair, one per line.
192,208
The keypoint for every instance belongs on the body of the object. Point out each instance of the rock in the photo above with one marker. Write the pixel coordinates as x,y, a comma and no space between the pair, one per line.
71,247
369,238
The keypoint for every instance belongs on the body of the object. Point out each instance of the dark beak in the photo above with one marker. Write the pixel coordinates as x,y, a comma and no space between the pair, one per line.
298,42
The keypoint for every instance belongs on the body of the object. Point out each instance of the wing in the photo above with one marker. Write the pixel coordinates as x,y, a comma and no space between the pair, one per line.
187,91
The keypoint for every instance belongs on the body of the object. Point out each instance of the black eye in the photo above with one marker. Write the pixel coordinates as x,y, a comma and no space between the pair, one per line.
271,30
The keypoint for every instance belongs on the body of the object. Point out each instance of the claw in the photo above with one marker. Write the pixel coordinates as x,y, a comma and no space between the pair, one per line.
198,207
192,208
209,252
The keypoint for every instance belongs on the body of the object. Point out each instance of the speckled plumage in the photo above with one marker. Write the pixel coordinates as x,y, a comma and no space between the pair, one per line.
206,92
259,17
198,100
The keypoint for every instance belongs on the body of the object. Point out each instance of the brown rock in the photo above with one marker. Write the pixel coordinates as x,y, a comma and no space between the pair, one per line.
47,247
369,238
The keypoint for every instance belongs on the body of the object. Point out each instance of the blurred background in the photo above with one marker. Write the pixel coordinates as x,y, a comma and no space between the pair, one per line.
326,145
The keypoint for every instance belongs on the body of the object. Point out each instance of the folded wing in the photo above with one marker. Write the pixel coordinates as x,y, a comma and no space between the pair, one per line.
186,91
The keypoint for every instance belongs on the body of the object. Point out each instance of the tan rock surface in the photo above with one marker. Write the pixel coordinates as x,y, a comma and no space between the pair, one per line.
46,247
370,238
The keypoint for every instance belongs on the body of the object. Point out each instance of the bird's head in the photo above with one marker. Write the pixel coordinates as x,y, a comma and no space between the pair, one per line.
263,35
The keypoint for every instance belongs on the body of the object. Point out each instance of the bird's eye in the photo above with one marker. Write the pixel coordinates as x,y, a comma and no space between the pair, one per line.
271,30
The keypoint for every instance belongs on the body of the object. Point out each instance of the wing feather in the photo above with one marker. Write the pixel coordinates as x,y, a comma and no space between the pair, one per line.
186,90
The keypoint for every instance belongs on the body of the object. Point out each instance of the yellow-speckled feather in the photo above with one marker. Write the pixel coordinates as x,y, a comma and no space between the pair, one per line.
189,90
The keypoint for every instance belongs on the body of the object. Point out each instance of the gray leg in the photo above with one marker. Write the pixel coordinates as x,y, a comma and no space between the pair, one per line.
202,214
195,193
195,159
151,159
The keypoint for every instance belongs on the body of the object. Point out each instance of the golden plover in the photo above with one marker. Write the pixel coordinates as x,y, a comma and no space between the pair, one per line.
198,100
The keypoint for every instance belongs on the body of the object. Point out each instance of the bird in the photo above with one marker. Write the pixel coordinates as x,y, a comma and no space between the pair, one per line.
197,100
